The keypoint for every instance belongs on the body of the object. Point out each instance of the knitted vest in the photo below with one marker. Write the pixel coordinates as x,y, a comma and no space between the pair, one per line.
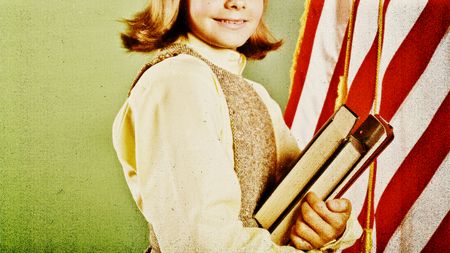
254,145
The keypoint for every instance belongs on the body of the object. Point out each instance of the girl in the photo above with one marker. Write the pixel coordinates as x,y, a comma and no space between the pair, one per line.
200,145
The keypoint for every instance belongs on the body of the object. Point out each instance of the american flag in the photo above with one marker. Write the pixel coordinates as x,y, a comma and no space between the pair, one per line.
411,199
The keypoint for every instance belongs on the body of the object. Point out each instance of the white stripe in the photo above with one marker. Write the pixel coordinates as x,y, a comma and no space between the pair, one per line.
415,114
400,18
363,36
425,215
324,55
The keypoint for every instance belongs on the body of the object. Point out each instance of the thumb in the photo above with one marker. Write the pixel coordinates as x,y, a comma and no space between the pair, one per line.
339,205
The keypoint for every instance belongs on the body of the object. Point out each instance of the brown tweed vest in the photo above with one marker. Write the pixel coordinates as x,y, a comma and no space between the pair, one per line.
253,136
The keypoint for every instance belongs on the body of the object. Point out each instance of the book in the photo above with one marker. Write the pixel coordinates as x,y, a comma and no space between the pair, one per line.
330,174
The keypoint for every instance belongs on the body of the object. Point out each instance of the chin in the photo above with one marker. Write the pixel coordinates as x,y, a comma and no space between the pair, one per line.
229,43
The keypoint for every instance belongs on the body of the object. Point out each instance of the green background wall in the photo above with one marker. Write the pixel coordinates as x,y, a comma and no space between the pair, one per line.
63,77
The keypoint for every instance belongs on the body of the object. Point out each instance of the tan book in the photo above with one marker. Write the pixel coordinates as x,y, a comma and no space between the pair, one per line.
323,145
329,174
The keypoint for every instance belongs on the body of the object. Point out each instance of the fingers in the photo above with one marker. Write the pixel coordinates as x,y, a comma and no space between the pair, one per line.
339,205
322,228
304,237
319,222
329,215
300,243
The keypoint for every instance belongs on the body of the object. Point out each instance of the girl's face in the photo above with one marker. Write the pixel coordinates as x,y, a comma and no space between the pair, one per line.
224,23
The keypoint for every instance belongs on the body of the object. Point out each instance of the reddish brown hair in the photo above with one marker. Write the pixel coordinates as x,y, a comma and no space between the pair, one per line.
163,21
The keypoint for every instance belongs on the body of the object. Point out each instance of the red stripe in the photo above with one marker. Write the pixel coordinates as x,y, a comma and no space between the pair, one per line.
440,241
328,107
413,56
362,91
303,58
413,175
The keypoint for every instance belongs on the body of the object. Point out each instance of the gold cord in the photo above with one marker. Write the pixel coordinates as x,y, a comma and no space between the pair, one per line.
377,97
375,110
368,229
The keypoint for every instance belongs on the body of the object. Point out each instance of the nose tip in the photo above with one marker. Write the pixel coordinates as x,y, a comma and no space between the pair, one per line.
235,4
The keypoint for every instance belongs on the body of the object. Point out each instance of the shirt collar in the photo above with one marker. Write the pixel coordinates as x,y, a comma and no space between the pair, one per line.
227,59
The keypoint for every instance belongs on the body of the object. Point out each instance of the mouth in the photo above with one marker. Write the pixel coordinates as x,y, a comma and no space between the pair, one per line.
231,23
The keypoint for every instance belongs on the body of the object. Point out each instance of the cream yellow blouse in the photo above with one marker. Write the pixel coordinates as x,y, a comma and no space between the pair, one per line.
174,141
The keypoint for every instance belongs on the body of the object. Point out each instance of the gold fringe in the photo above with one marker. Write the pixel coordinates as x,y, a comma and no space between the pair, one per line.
342,93
299,43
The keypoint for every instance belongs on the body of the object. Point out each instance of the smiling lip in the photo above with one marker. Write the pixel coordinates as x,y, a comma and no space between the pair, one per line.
231,23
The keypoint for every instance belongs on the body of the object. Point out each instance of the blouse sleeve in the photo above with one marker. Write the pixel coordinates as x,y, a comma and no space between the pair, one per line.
185,184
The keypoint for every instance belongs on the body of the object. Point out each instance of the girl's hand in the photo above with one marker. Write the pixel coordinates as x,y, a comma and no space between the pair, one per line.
319,222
